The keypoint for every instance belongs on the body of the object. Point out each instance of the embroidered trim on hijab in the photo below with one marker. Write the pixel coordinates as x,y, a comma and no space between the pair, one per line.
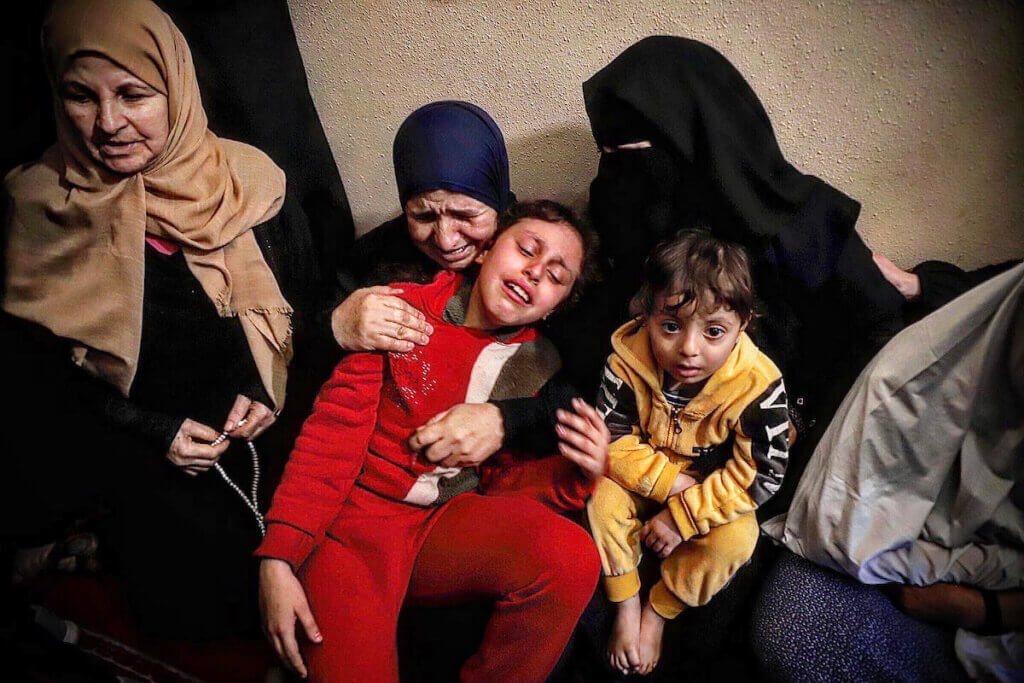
456,146
76,249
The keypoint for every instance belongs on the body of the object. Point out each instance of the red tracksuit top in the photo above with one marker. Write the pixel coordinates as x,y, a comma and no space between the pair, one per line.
366,412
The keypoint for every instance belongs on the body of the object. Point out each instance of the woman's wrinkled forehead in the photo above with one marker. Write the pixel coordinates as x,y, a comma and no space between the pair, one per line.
133,34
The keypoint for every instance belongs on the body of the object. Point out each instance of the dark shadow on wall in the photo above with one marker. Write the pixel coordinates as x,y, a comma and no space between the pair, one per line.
28,115
555,163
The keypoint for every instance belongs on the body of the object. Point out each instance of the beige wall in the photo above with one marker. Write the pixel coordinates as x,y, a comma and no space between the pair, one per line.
914,108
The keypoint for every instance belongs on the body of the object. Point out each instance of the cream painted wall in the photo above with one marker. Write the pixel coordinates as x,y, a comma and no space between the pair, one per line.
914,108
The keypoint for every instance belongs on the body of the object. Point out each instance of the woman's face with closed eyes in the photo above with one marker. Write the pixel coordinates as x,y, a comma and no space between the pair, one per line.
121,121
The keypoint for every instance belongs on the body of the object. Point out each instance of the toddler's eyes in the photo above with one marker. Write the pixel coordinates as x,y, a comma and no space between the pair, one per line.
670,326
715,332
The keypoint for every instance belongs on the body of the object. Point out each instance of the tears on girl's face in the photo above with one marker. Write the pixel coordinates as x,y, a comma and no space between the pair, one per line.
526,274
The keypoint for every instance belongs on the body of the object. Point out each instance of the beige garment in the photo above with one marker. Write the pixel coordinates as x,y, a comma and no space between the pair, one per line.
76,231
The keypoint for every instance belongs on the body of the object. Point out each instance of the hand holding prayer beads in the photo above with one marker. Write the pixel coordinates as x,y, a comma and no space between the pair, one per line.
248,419
196,447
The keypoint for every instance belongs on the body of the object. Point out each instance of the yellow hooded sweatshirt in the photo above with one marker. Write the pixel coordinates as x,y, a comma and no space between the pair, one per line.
731,437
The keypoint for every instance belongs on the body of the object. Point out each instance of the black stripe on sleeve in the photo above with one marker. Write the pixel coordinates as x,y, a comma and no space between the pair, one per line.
617,404
766,422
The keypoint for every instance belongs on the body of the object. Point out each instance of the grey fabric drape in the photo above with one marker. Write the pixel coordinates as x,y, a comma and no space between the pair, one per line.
920,476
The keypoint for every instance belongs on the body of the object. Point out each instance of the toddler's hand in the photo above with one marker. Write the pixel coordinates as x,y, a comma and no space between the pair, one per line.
661,534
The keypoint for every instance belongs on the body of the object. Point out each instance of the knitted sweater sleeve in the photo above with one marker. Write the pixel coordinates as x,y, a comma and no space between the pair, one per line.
327,458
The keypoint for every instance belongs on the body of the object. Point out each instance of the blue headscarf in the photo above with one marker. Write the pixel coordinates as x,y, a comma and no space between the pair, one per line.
456,146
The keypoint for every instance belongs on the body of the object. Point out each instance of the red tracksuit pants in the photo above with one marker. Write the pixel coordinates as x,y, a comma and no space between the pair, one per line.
540,570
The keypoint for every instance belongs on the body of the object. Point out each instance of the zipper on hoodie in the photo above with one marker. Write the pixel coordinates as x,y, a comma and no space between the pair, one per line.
677,427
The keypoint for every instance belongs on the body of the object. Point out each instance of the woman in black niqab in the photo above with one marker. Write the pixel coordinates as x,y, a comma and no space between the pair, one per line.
713,159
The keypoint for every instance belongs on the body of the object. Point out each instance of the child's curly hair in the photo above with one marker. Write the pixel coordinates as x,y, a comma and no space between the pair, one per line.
705,271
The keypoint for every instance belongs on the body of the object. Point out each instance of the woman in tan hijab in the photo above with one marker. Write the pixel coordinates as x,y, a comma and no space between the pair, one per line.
133,262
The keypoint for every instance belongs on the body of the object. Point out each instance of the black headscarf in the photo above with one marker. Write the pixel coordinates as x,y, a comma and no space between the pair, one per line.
714,160
456,146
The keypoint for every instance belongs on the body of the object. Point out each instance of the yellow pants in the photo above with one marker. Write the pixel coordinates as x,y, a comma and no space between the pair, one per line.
690,576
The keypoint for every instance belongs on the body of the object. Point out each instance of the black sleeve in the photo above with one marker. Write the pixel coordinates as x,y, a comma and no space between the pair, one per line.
257,393
530,422
386,254
766,422
55,391
942,282
153,427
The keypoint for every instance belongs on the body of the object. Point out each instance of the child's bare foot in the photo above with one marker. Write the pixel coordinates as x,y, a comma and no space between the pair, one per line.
652,625
623,647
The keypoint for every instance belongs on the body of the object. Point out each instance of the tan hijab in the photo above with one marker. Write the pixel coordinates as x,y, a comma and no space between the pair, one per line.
76,249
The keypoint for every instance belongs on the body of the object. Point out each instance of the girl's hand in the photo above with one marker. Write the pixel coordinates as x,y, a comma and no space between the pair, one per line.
462,436
583,438
282,602
374,319
191,447
661,534
256,415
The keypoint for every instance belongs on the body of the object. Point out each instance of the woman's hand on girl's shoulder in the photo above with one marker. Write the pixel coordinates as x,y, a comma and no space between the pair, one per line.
583,438
282,603
375,319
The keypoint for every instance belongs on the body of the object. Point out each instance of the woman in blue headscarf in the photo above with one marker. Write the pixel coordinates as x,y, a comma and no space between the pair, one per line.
451,168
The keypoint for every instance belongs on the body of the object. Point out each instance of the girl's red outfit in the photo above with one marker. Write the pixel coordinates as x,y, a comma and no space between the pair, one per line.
366,522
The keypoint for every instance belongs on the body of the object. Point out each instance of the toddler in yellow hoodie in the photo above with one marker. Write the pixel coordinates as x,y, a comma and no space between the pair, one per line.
699,425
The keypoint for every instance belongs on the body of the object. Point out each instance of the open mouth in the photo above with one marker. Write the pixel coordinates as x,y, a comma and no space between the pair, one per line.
457,253
518,293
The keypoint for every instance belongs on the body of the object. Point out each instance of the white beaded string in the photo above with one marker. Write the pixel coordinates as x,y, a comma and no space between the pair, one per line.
252,502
